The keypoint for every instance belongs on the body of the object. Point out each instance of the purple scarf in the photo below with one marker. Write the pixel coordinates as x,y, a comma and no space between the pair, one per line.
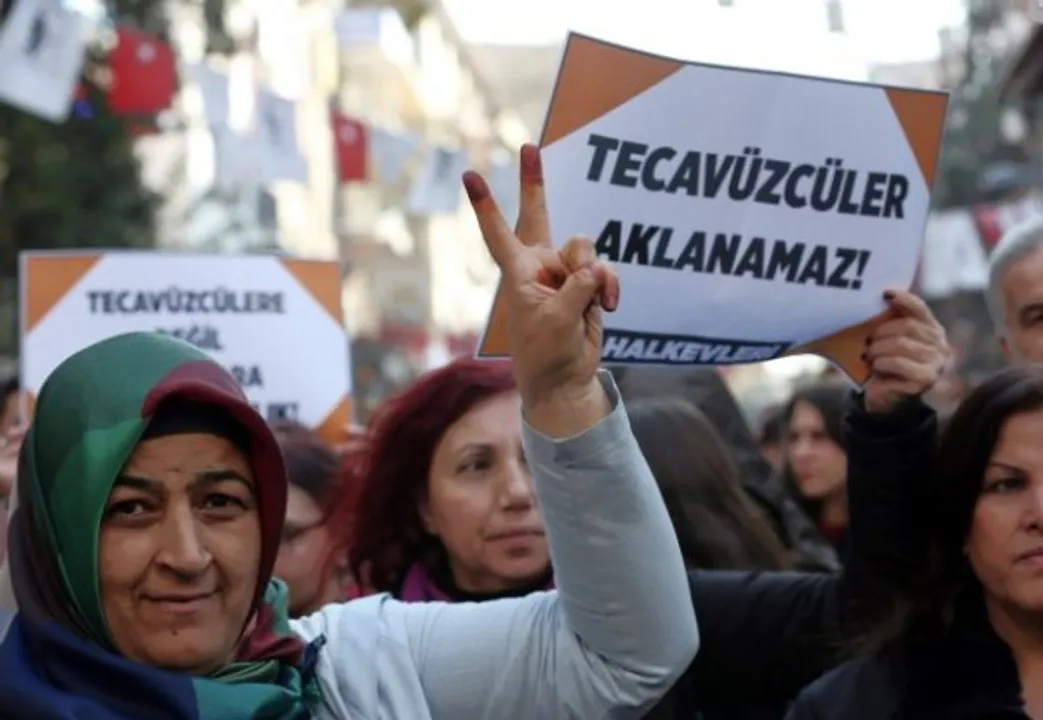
419,586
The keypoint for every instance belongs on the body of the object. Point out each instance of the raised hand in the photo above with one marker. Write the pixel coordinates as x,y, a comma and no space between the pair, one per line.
906,354
553,298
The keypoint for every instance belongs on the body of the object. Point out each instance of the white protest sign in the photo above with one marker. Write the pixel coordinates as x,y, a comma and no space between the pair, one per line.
275,323
748,214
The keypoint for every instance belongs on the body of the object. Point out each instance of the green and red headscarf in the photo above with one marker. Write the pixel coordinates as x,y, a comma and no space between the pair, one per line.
57,659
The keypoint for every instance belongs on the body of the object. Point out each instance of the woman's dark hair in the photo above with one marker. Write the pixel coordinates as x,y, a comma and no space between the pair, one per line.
772,430
966,447
829,398
393,461
718,526
952,492
11,387
311,464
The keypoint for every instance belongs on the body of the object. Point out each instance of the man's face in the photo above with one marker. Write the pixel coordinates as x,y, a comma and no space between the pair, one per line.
1021,289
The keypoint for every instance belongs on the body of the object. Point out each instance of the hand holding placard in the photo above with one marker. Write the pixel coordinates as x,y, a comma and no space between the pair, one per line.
553,300
906,353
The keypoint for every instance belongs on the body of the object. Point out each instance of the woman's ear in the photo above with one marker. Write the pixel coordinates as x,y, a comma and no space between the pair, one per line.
424,510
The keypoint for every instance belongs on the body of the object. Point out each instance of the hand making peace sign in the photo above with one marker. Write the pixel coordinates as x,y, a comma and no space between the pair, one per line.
553,298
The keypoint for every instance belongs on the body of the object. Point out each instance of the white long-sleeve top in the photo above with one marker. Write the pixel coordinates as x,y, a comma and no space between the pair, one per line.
607,643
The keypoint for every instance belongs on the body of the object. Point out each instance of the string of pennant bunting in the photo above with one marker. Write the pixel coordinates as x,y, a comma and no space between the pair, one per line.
43,47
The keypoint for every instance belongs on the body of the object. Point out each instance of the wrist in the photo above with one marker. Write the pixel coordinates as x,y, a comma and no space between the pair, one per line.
566,411
877,406
888,405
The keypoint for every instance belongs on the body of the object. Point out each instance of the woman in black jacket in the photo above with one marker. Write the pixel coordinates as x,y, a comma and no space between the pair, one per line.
764,636
973,646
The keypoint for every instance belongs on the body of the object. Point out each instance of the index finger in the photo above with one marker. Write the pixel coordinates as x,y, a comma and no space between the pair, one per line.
909,305
502,243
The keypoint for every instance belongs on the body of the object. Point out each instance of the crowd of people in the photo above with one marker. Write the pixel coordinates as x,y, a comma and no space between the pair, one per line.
542,538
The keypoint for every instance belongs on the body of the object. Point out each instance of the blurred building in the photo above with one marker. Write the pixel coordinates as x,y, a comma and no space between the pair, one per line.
926,74
728,32
289,48
1024,78
522,75
807,37
418,287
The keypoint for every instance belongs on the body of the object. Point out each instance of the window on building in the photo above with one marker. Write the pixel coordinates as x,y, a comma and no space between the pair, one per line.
835,16
725,3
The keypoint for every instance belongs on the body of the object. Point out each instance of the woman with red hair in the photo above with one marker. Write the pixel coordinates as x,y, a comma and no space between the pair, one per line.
446,509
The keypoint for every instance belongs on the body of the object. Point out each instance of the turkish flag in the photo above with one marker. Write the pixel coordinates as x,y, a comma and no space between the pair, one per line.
351,141
144,74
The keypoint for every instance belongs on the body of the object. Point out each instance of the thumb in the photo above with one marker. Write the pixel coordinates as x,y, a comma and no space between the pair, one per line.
578,292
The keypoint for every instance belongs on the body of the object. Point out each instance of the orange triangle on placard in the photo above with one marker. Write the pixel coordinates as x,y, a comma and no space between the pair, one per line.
334,427
47,278
921,114
844,347
595,78
321,280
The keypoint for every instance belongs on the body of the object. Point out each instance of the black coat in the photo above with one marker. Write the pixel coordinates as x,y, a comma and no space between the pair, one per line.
706,389
966,674
764,636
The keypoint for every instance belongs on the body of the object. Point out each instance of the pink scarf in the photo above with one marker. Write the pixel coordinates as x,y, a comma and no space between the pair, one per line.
418,586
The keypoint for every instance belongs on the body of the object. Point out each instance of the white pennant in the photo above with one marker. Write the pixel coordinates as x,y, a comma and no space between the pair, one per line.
358,27
41,57
276,139
390,152
437,189
236,161
214,87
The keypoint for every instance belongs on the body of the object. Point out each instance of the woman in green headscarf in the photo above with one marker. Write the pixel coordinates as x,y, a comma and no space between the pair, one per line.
151,496
151,503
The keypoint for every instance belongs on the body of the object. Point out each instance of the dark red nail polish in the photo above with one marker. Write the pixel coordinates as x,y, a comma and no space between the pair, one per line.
475,187
888,295
531,164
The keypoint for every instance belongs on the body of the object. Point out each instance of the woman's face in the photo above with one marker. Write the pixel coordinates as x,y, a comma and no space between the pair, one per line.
480,502
1005,543
179,553
819,465
303,552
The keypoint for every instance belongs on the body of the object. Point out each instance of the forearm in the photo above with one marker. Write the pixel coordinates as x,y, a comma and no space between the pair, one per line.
618,567
889,458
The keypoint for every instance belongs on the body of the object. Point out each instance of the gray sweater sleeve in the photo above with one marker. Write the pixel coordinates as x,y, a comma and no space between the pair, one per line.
614,636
